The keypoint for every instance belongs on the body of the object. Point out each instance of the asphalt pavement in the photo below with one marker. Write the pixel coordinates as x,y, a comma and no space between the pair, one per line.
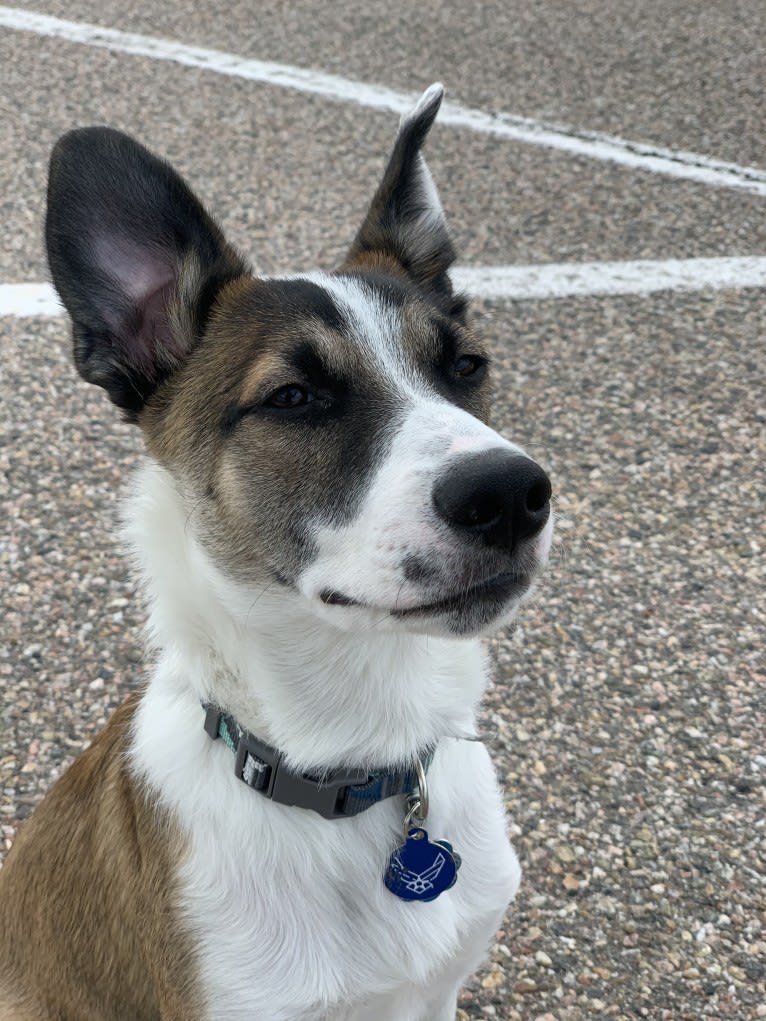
628,713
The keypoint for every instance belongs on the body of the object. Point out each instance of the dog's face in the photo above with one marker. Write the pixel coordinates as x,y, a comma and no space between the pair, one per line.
328,432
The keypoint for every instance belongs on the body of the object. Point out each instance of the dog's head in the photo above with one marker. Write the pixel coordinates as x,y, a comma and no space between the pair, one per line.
328,431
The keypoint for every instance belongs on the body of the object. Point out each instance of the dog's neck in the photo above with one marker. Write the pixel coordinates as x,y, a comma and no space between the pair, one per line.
326,697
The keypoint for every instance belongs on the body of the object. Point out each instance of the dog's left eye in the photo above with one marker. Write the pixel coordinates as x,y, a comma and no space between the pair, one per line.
469,365
287,397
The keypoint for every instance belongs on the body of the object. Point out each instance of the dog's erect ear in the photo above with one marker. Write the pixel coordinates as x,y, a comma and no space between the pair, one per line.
135,258
406,220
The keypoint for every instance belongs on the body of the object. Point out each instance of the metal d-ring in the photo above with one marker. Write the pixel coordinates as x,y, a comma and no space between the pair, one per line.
417,802
413,816
420,775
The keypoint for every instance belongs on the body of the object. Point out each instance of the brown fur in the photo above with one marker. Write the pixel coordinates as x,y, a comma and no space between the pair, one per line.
251,485
88,901
192,348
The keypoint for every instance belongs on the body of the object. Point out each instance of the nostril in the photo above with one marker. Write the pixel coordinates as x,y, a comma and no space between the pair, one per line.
538,496
483,510
474,508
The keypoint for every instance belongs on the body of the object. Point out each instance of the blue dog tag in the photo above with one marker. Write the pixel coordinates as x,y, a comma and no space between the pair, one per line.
420,869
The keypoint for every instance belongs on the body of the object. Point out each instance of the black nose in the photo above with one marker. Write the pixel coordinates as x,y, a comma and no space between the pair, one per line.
498,495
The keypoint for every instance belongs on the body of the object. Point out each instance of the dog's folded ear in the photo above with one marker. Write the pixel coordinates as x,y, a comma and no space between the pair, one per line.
405,220
136,260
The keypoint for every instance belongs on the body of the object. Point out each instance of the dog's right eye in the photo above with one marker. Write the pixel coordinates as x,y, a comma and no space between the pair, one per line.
287,397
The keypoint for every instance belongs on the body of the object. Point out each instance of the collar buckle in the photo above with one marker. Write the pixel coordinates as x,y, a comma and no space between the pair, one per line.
261,767
326,796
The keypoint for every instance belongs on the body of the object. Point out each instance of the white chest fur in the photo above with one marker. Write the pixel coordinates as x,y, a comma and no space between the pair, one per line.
291,916
293,919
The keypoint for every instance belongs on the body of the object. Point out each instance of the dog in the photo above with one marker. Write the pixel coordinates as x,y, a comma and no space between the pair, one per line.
294,819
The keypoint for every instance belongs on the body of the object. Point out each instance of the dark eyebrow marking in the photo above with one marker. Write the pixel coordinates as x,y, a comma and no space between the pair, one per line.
313,367
305,298
446,340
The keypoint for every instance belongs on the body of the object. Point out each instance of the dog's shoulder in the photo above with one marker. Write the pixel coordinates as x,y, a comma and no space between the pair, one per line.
95,782
95,835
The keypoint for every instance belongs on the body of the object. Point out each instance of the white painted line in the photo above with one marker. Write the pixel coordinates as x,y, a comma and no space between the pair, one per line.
570,279
518,283
22,300
688,166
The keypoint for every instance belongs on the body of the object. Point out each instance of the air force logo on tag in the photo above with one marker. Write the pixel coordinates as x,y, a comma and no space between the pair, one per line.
419,882
420,869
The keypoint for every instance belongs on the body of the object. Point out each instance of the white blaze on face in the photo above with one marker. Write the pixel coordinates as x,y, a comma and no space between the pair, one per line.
364,560
376,325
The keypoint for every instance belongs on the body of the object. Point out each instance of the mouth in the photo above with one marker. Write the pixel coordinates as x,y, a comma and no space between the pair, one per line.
496,590
332,598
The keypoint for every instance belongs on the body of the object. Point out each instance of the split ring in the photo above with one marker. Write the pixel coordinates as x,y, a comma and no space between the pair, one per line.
420,774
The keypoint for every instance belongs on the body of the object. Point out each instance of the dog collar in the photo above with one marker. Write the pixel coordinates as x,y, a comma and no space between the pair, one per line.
336,795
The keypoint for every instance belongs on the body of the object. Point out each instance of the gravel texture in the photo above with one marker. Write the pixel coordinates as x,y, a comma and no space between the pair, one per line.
628,715
290,174
685,74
